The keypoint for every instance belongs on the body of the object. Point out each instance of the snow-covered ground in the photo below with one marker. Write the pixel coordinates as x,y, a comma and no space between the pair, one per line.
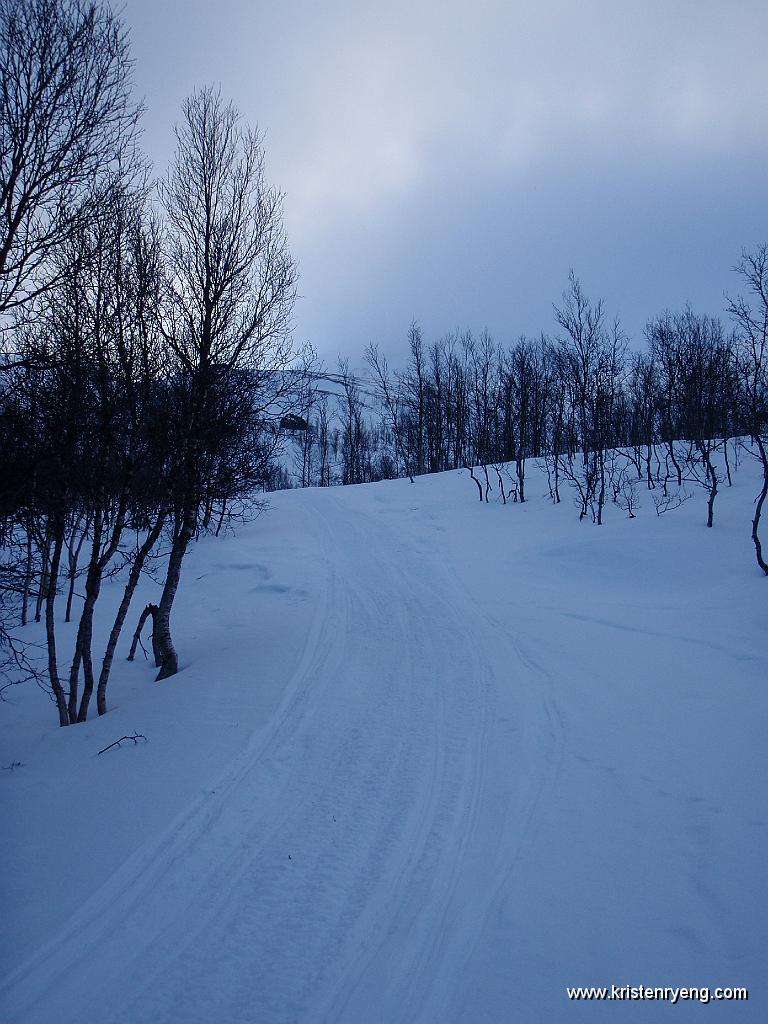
427,761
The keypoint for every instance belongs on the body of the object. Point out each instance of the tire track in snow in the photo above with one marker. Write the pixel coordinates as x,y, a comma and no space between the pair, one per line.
335,891
350,856
429,984
121,905
428,876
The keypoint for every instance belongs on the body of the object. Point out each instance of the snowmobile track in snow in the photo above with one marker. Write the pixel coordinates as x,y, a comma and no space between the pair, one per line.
344,866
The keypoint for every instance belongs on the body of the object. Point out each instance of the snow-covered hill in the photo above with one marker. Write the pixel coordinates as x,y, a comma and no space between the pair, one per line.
427,761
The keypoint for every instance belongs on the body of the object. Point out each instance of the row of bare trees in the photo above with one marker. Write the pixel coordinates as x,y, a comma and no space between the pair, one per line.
146,365
146,345
602,418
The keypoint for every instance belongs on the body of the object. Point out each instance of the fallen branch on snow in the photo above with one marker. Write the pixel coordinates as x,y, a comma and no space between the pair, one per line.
136,737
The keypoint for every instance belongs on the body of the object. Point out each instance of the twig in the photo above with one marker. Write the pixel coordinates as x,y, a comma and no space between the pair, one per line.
670,502
136,737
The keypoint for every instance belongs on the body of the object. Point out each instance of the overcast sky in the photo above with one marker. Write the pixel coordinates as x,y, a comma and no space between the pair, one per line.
449,162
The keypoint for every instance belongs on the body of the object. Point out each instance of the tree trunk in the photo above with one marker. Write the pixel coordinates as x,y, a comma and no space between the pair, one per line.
169,659
83,652
42,590
50,625
224,512
122,611
711,500
648,473
675,463
151,609
712,478
501,485
209,509
74,558
70,594
759,508
27,579
601,493
479,487
727,463
85,628
99,562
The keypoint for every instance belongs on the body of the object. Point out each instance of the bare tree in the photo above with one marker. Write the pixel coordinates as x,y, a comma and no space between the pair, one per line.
355,438
750,313
593,355
698,394
66,116
88,405
231,288
389,396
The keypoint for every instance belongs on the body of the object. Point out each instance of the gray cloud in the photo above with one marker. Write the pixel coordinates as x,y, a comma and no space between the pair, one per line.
450,161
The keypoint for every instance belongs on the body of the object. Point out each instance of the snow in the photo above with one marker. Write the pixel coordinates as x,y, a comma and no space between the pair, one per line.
427,760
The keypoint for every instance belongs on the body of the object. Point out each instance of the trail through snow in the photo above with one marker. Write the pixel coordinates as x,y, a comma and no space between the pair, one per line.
470,795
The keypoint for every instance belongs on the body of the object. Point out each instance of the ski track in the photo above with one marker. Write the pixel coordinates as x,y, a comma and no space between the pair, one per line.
345,866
